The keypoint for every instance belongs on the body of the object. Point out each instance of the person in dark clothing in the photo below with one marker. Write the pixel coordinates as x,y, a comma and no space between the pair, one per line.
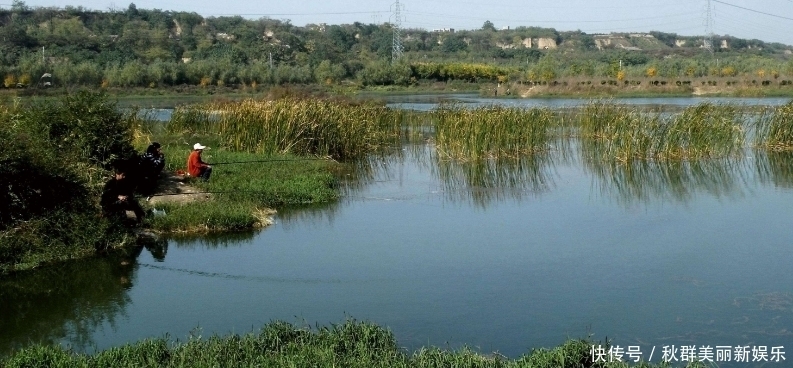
117,197
151,164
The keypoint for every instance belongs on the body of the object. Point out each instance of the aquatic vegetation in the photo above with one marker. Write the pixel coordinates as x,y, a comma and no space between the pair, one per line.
341,130
775,130
701,131
491,131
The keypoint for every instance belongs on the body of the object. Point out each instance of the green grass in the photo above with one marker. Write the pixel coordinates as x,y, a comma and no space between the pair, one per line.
240,193
280,344
350,344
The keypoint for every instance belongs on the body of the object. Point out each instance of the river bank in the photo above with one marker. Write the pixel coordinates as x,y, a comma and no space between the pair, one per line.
348,344
170,97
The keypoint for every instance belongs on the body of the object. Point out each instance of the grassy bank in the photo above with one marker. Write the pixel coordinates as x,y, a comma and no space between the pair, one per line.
349,344
240,194
56,155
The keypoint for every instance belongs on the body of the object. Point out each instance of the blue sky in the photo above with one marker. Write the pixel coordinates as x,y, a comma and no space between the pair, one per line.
767,20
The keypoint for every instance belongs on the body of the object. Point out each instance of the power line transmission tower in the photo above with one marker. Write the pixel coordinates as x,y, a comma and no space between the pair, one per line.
396,47
707,41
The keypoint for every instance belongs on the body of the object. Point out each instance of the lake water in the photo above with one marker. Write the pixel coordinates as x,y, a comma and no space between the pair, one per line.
502,257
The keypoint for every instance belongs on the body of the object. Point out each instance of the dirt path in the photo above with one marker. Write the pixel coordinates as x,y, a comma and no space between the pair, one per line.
175,189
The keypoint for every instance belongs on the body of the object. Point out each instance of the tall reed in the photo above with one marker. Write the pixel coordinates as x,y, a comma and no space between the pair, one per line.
775,131
705,130
300,126
491,131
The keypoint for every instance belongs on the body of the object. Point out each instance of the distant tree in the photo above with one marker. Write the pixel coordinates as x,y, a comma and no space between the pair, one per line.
454,43
488,26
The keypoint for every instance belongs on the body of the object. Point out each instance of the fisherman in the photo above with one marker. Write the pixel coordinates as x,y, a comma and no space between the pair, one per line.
151,164
117,196
195,166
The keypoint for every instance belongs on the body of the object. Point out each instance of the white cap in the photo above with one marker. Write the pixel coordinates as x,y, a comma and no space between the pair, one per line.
198,146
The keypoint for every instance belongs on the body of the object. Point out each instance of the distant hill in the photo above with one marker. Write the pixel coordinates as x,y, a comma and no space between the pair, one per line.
153,48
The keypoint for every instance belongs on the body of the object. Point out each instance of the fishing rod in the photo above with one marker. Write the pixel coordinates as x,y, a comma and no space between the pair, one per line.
253,191
272,160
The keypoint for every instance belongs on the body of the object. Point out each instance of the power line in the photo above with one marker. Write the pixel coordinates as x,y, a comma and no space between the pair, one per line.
752,10
550,21
293,14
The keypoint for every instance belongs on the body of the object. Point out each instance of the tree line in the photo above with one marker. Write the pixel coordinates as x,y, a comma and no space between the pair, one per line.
154,48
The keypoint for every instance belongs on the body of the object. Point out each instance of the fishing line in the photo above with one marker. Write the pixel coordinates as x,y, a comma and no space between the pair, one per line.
271,160
263,192
241,277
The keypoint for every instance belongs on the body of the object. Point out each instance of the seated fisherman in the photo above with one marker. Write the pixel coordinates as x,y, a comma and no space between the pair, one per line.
117,196
196,167
151,164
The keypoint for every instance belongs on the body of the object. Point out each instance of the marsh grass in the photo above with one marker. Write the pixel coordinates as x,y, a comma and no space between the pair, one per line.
494,131
774,130
339,129
348,344
624,134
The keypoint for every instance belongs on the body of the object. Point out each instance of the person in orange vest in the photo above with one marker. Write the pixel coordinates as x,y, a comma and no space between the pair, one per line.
195,166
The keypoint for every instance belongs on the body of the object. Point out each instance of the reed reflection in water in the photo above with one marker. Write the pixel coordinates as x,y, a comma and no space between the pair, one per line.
646,181
774,167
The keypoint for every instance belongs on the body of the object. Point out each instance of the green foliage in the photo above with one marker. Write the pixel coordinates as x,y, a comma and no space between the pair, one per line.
84,127
155,48
454,43
349,344
52,156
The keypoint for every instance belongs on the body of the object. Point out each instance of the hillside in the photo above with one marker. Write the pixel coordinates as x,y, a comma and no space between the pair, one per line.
134,47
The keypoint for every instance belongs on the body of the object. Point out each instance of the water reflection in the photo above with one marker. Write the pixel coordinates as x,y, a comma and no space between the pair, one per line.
647,181
317,213
775,168
69,301
490,180
204,241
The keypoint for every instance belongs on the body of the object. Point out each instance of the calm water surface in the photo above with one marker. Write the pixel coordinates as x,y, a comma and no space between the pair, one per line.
504,257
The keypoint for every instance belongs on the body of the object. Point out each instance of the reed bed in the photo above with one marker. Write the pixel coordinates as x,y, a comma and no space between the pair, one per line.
624,134
493,131
341,130
775,130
